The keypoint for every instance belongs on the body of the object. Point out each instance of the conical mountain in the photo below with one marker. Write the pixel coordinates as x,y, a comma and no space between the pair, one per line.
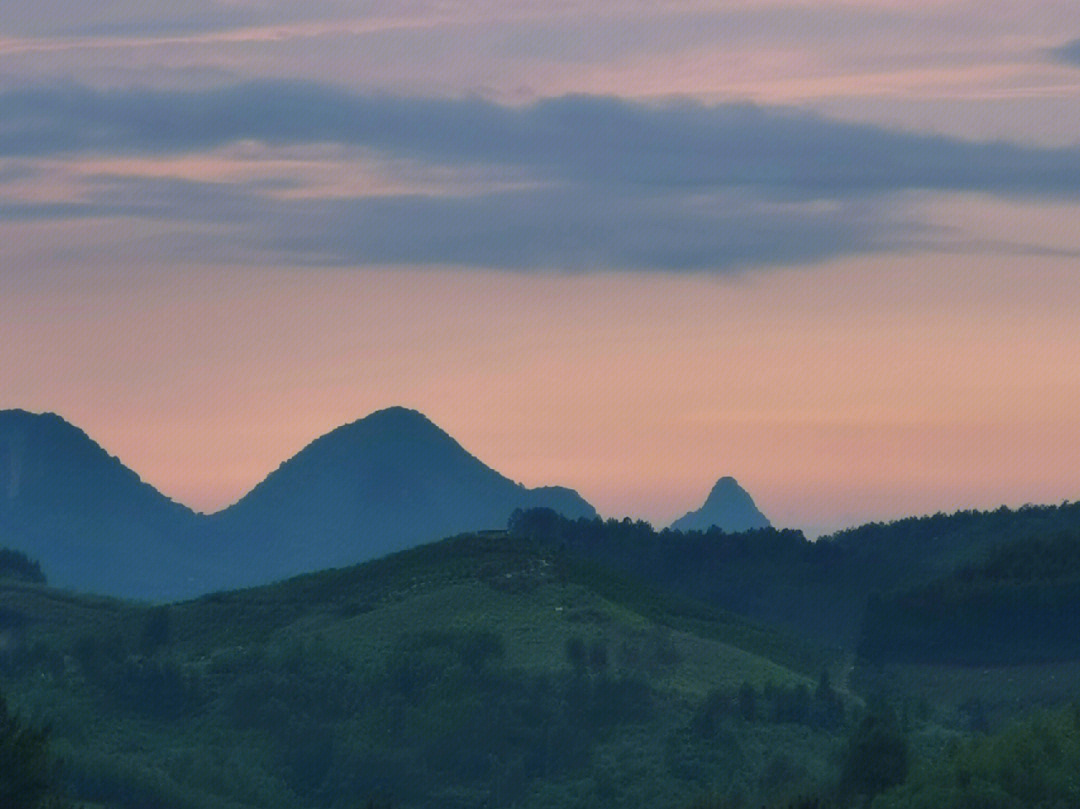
88,519
728,507
381,484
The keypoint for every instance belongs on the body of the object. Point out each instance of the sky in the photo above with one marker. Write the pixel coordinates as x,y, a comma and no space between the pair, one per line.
829,248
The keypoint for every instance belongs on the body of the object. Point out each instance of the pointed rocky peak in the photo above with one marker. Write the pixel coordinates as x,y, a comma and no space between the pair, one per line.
725,490
728,507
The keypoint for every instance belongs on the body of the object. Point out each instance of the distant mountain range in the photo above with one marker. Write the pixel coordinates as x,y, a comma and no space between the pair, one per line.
728,507
386,482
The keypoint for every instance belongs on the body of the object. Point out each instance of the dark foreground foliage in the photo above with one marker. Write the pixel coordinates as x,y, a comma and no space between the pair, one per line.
1030,765
27,772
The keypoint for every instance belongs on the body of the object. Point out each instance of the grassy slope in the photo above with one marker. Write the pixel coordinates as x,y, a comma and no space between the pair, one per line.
537,597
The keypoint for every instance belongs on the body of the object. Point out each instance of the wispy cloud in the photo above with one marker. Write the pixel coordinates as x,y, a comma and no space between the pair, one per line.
566,228
166,33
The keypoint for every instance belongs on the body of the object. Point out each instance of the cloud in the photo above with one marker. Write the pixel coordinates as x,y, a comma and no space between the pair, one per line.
589,140
563,228
578,230
600,182
35,211
1069,52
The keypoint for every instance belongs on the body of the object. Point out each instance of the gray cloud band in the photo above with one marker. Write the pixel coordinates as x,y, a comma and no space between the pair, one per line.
586,139
675,186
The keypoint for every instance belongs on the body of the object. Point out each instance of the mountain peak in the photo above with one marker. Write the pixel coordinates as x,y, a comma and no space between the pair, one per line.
395,438
393,423
725,484
87,518
396,414
18,419
45,457
728,507
380,484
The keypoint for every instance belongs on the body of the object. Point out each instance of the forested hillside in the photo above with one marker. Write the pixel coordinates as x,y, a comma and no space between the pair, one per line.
479,671
1020,605
820,588
574,663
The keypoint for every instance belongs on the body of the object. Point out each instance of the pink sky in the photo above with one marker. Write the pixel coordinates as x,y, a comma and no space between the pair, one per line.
879,379
863,388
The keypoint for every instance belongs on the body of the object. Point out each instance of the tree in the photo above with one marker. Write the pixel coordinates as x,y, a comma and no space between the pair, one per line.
827,710
17,565
877,754
24,763
156,631
747,702
576,655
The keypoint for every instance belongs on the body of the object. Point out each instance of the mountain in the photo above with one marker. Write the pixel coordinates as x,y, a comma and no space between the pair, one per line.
728,507
88,519
381,484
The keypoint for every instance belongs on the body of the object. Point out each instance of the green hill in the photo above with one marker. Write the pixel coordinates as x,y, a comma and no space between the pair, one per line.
477,671
987,642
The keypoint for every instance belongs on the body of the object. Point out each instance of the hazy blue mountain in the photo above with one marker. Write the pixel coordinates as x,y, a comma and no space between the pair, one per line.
88,519
381,484
728,507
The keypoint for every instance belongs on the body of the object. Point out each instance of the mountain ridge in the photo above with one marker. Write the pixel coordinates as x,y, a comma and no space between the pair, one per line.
381,483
